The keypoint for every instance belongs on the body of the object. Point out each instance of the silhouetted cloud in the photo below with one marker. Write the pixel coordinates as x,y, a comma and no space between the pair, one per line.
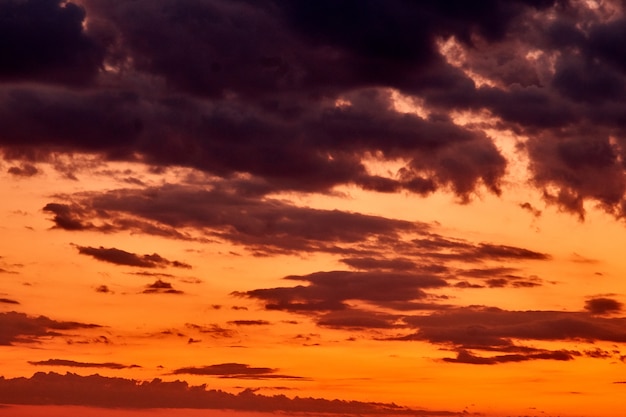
603,305
465,356
161,287
369,263
224,210
447,248
234,370
265,225
8,301
532,210
494,328
121,257
330,290
75,364
214,330
20,328
24,170
68,217
103,289
98,391
310,92
361,319
498,277
249,322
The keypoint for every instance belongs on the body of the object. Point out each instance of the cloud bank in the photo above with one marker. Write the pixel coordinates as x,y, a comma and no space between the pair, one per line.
98,391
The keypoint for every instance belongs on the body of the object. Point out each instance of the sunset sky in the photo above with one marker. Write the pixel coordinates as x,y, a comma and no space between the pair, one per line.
337,207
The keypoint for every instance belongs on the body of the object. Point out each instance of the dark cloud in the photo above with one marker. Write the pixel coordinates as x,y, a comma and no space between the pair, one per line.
297,96
444,248
24,170
603,354
490,251
21,328
68,217
493,328
98,391
151,274
234,370
225,210
249,322
103,289
266,225
214,330
276,84
531,209
161,287
8,301
75,364
603,305
514,282
329,291
487,272
46,41
583,166
121,257
369,263
360,319
497,277
286,47
477,328
465,356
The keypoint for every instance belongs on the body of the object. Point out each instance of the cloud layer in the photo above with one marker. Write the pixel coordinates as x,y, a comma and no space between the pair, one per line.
259,97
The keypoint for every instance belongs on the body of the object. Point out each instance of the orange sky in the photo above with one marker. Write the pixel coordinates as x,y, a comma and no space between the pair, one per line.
274,208
46,274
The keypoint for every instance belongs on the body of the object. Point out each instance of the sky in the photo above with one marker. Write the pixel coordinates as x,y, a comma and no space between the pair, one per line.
342,208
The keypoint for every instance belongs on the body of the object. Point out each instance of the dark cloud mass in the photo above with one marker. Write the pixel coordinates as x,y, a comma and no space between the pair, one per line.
297,95
603,305
45,41
121,257
254,89
20,328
